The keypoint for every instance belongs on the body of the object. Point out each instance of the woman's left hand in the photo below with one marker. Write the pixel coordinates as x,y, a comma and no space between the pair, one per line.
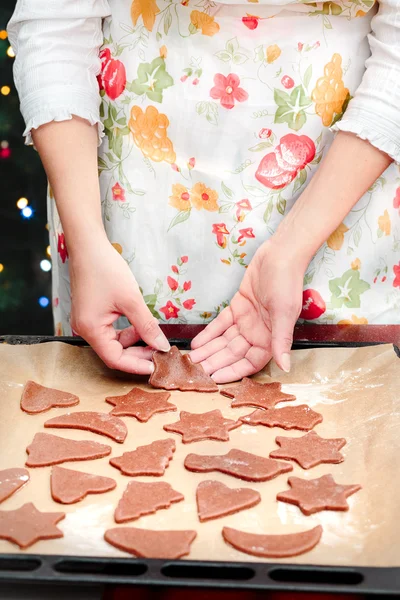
258,324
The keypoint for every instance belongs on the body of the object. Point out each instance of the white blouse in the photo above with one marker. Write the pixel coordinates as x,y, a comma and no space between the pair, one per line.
57,42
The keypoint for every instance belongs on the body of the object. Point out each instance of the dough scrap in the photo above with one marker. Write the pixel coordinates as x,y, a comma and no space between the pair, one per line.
47,449
238,463
309,450
36,398
273,546
68,486
194,427
314,495
142,498
12,480
251,393
147,543
175,371
289,417
101,423
152,459
140,404
26,525
215,500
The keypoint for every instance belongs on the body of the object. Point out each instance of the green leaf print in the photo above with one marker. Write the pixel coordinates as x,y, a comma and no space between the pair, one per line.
181,217
233,52
227,191
291,109
281,205
152,80
346,290
307,76
268,211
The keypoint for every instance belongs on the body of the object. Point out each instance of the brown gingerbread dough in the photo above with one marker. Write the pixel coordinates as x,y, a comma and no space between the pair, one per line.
314,495
215,500
238,463
101,423
36,398
147,543
175,371
289,417
140,404
68,486
142,498
26,525
252,393
152,459
47,449
204,426
309,450
273,546
12,480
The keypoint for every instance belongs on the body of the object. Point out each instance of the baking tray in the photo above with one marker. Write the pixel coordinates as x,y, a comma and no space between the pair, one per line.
78,570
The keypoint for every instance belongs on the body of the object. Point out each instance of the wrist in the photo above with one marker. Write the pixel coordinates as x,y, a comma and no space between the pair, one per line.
85,240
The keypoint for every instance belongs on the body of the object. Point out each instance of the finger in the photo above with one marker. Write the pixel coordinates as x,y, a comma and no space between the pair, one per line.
234,351
255,360
131,360
283,321
215,345
214,329
127,337
145,324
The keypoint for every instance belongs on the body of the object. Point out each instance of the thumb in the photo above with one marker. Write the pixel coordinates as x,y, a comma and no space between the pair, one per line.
145,324
283,320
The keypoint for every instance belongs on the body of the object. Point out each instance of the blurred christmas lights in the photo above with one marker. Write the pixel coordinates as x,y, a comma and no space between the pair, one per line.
3,34
3,144
45,265
5,90
1,268
21,203
10,52
44,301
27,212
48,251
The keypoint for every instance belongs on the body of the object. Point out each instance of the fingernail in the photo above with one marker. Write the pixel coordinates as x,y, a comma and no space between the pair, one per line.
285,362
151,369
161,343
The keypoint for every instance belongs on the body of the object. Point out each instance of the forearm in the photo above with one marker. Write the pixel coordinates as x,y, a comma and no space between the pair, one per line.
349,169
68,150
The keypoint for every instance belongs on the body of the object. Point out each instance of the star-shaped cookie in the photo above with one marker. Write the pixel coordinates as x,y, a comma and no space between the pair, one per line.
211,425
27,525
140,404
309,450
289,417
314,495
252,393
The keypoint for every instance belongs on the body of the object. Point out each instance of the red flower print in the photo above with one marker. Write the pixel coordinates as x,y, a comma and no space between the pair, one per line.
264,133
175,168
174,269
396,270
227,90
172,283
112,78
191,163
170,310
196,81
188,304
184,259
246,233
396,199
56,302
61,247
250,22
242,205
278,168
300,46
313,305
221,231
187,285
287,82
183,78
118,192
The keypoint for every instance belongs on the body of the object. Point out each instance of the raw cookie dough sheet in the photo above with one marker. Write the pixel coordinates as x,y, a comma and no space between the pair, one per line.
356,390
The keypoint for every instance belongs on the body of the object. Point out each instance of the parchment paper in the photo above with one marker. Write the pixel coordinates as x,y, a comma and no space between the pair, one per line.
356,390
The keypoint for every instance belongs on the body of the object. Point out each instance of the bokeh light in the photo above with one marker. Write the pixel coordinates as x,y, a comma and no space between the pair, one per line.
44,301
10,52
1,267
5,90
45,265
27,212
22,202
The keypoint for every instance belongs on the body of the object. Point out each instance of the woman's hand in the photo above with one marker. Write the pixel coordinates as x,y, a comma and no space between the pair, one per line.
259,322
102,289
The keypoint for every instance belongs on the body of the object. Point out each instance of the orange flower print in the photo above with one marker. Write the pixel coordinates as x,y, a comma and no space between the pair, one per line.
180,197
241,206
147,9
204,197
246,233
188,304
172,283
149,131
221,232
117,247
384,223
336,239
170,310
59,330
273,53
204,22
356,264
118,192
163,52
227,90
354,321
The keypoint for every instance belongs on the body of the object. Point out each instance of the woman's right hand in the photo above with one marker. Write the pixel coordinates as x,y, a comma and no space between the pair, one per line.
102,289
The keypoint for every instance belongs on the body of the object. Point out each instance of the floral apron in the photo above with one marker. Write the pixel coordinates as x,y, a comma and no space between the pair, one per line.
216,116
